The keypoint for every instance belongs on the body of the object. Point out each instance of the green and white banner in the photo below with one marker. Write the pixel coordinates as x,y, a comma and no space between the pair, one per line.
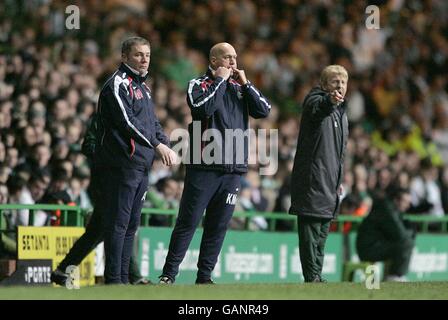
245,257
429,260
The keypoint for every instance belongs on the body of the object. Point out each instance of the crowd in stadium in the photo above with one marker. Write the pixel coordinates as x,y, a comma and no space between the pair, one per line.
50,78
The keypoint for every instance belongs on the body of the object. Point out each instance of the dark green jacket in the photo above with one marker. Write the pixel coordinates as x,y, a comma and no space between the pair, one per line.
318,163
91,138
383,224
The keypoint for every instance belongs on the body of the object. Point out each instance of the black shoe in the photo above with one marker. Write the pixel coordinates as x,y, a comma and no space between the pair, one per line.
319,279
316,279
208,281
59,277
165,280
143,281
322,280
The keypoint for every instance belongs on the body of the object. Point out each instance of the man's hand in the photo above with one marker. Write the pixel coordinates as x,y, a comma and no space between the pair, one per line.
239,76
336,97
223,72
168,156
341,190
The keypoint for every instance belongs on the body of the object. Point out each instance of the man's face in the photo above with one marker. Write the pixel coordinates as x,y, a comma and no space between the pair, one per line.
138,58
38,189
225,58
336,82
404,202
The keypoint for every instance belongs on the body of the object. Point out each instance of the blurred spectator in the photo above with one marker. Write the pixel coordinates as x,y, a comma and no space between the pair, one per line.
425,191
350,206
78,195
5,171
164,196
8,242
20,194
384,236
444,188
251,200
282,204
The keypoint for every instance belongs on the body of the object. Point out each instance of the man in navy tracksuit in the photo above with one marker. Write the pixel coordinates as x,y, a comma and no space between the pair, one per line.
222,99
125,154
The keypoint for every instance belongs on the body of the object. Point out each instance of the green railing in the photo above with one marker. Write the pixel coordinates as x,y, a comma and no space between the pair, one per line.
272,216
424,221
75,216
69,215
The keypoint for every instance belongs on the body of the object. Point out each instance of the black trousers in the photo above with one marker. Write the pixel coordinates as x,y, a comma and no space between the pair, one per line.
313,233
123,192
94,235
398,253
212,191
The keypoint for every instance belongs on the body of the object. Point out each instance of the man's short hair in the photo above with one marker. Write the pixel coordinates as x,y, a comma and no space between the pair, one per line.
397,192
332,70
127,45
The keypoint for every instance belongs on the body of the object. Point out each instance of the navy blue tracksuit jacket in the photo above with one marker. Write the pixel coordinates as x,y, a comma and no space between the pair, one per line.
125,153
219,105
131,129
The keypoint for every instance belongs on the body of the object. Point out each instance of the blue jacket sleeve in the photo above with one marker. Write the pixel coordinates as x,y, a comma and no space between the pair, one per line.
160,136
119,103
205,100
259,106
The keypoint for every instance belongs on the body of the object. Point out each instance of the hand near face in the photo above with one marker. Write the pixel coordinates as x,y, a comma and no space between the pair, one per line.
223,72
336,86
336,97
239,76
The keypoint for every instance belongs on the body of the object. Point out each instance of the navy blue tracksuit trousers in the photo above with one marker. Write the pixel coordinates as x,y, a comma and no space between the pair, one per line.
123,194
215,192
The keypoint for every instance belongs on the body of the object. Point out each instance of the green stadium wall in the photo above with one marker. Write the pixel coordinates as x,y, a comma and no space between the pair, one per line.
255,257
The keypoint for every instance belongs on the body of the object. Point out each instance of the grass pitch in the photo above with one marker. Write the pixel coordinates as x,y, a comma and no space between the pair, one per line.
343,290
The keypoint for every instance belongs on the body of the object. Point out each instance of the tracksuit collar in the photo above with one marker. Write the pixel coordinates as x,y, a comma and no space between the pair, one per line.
134,74
209,72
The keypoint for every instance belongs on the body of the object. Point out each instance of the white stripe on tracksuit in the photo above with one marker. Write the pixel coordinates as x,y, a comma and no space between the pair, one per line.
117,82
261,98
190,91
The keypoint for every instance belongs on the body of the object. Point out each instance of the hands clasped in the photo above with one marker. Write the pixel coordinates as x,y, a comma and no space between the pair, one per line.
169,157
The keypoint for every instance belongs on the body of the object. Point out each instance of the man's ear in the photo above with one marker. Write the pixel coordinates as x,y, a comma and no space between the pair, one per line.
124,57
213,61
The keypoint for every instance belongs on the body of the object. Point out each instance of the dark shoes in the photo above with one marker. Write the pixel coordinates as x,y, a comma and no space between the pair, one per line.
59,277
168,280
208,281
317,279
322,280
